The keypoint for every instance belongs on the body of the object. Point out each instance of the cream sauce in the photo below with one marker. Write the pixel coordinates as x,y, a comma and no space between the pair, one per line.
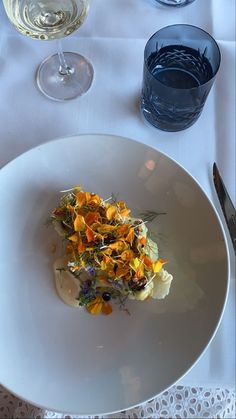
67,286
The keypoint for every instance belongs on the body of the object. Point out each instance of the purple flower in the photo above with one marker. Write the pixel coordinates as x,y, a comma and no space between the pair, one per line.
90,270
86,288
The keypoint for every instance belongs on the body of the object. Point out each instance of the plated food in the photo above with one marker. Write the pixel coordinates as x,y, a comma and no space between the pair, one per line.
109,254
84,358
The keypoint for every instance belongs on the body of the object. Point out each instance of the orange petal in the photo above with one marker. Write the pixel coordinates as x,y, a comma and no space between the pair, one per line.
122,271
127,255
140,272
80,199
142,241
125,212
106,308
95,306
91,217
107,259
101,277
130,236
93,199
119,246
110,272
89,234
81,246
122,230
76,268
111,212
79,223
147,261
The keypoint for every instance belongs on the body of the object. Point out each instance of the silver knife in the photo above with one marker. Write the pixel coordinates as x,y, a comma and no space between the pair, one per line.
226,205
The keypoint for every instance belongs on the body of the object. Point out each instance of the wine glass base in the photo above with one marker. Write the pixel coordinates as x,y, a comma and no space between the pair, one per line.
61,87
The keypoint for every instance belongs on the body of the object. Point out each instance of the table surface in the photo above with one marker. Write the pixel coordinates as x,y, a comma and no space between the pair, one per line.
113,38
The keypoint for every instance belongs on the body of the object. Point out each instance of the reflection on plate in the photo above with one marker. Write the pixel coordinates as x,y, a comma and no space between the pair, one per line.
89,365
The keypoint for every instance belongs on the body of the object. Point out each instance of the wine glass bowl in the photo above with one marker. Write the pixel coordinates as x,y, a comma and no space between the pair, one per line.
47,20
62,76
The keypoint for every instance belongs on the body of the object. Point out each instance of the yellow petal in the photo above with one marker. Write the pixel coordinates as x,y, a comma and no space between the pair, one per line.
157,266
79,223
77,188
118,246
123,211
103,265
73,238
111,212
95,306
134,264
106,228
93,199
107,252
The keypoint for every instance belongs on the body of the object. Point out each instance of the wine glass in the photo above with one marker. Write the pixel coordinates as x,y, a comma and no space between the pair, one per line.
61,76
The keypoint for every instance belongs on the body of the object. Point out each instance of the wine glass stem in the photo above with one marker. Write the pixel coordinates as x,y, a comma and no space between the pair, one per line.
64,68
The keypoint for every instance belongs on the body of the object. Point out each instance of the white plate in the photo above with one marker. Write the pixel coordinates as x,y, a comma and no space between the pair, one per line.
63,358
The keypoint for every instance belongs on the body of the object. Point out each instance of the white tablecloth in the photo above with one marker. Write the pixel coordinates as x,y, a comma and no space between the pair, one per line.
113,38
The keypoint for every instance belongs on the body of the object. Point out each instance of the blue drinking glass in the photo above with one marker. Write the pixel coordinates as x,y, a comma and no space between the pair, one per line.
177,3
180,65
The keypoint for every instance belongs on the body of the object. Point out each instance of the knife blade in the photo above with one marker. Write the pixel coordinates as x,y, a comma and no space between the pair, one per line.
226,205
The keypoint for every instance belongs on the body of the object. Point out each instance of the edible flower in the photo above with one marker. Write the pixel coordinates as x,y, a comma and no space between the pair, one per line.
98,305
104,240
